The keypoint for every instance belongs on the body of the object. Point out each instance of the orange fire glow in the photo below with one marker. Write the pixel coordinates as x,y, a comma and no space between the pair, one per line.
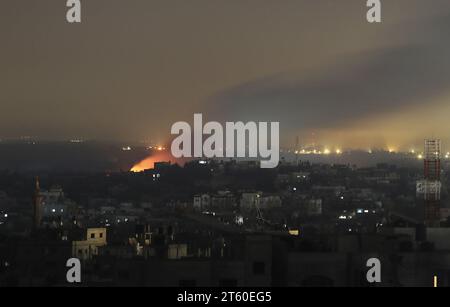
160,155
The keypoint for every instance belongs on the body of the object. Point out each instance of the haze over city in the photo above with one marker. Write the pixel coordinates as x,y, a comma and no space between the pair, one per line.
127,72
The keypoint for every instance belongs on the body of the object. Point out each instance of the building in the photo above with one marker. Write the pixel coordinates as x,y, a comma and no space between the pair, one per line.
54,203
258,200
202,202
37,206
88,248
313,207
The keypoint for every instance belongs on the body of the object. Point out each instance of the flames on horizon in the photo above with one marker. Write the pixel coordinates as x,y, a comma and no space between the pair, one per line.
160,155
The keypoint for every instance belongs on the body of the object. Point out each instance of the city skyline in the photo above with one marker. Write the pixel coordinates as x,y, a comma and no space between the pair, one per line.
224,151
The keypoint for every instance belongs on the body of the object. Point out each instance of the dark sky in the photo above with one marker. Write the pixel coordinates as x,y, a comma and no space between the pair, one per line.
133,67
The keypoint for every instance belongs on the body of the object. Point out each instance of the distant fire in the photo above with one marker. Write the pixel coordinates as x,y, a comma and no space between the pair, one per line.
159,155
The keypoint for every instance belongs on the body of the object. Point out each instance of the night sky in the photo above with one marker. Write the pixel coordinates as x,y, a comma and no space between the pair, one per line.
133,67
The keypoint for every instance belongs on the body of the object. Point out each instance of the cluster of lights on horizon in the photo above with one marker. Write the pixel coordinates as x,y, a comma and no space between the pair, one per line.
158,148
420,156
391,150
325,151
